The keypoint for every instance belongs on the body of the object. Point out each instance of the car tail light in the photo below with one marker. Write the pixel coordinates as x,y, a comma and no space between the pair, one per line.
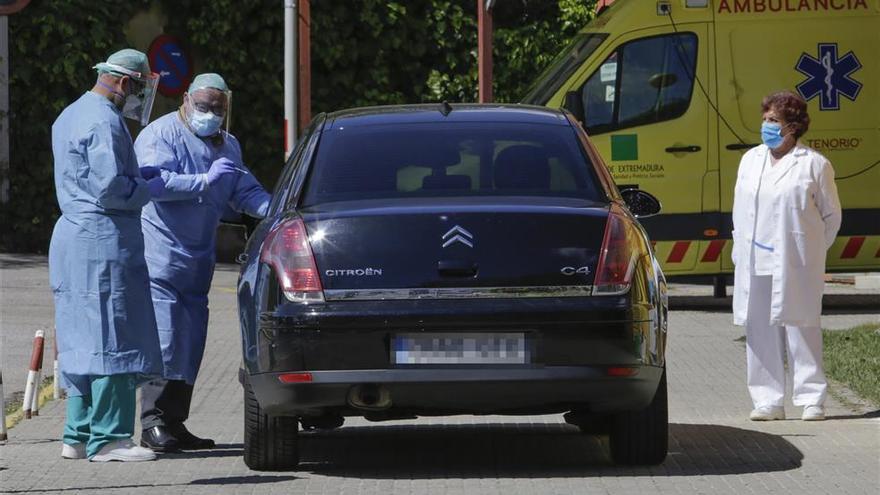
622,371
617,258
295,378
287,250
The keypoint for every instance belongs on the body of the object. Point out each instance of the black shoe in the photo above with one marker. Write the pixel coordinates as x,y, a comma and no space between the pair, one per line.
159,439
188,441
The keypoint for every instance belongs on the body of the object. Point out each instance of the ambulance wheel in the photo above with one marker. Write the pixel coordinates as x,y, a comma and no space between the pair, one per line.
270,443
642,437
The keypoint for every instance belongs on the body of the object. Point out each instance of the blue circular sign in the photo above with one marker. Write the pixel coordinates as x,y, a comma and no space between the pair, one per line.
168,59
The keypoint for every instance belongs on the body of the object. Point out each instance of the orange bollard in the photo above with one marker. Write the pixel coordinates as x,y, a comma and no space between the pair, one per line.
32,388
35,407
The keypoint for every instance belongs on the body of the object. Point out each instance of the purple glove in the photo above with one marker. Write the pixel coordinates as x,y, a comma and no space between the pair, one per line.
149,172
219,168
156,186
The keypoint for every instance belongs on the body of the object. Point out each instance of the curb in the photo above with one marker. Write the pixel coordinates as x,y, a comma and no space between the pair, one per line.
46,393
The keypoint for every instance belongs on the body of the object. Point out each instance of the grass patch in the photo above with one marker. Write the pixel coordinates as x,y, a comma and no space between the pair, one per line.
852,357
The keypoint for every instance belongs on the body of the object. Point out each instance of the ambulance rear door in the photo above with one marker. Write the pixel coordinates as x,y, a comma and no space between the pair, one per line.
828,55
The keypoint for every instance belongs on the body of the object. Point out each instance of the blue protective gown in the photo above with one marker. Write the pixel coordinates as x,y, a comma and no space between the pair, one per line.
180,229
103,313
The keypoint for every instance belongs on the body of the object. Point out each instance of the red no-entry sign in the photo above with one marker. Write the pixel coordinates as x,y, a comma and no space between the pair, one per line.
9,7
168,58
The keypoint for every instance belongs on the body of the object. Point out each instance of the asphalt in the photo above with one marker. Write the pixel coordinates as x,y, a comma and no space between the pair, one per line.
713,446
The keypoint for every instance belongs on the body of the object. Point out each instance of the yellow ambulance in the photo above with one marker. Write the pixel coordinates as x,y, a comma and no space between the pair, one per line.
670,92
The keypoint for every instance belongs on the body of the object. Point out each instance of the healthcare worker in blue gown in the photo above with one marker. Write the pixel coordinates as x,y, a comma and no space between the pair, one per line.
204,177
106,329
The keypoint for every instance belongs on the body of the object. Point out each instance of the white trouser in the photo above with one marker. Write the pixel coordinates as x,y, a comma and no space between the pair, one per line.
765,353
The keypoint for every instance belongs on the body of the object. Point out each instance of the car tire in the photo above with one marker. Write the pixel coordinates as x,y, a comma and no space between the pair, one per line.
642,437
270,442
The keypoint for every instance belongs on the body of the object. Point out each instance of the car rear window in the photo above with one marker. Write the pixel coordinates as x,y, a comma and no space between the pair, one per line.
450,159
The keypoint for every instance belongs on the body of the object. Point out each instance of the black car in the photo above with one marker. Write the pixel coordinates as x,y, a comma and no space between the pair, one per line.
451,259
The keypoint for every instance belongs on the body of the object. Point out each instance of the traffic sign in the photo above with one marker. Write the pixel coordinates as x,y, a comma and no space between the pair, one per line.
169,59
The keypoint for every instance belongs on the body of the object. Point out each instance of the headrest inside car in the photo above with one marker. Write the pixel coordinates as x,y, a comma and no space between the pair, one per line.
522,167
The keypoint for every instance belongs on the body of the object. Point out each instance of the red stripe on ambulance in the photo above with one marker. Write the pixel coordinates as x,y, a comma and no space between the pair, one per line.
678,251
713,251
853,245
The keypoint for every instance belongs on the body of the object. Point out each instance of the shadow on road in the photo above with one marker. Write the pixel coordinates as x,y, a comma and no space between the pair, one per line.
532,451
221,450
508,450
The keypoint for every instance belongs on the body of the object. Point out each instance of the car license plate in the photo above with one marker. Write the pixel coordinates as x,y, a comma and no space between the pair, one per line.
460,348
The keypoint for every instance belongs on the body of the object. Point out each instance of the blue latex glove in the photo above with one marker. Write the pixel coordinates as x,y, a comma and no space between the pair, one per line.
149,172
219,168
156,186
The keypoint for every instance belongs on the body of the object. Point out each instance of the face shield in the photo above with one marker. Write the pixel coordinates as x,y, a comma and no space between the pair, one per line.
142,94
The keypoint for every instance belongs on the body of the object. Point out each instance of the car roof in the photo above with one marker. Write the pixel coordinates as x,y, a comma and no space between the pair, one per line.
441,113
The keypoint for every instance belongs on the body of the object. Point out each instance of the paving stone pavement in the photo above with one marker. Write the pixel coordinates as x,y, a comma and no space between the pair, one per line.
713,447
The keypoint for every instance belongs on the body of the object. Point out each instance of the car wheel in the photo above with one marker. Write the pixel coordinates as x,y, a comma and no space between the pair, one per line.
642,437
270,443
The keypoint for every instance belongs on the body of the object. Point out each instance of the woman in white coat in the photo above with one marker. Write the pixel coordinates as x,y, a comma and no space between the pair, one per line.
786,214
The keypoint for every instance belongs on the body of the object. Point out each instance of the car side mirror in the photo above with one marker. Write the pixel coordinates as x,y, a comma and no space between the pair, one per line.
642,204
575,105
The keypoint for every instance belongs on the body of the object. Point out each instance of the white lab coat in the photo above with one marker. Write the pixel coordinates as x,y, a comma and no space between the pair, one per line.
807,217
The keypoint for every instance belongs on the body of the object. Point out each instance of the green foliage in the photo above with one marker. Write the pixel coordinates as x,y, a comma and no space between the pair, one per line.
364,52
853,358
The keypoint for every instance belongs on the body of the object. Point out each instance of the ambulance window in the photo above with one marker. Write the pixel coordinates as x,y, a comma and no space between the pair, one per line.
644,81
563,66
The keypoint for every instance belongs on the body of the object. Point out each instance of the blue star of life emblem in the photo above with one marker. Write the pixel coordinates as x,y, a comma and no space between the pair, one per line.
829,76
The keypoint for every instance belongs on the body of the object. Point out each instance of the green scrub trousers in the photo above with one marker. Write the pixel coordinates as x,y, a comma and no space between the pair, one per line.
104,416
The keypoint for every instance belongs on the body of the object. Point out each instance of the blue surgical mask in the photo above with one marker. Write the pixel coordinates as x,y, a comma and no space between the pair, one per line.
771,134
204,124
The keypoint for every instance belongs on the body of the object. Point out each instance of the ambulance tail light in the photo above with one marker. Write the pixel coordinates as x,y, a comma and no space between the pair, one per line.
287,250
618,255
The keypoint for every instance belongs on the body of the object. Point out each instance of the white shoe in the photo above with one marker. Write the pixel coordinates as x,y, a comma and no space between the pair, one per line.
813,413
73,451
767,413
123,450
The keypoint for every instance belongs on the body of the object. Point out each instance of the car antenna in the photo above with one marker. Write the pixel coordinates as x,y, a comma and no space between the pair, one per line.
445,108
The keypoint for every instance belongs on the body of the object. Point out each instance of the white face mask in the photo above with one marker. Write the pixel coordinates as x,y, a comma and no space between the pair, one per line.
204,124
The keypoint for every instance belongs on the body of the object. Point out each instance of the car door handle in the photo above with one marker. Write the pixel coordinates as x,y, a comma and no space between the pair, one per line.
740,146
457,268
683,149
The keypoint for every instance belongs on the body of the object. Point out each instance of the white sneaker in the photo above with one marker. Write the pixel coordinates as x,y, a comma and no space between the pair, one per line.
123,450
813,413
767,413
74,451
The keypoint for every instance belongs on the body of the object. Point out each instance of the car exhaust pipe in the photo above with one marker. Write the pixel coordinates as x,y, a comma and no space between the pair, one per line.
369,396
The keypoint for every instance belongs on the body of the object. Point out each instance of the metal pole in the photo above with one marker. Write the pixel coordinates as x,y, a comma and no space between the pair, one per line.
4,109
305,64
290,76
484,49
2,411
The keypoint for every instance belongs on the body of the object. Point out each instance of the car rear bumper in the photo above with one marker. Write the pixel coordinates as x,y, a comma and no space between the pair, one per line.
462,390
